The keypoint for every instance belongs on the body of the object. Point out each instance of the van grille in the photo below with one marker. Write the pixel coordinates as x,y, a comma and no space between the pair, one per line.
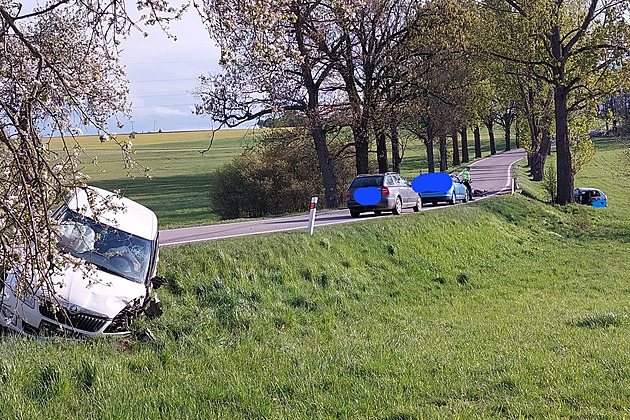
85,322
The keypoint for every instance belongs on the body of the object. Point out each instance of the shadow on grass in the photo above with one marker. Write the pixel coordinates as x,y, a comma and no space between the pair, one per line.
611,142
598,320
166,186
177,200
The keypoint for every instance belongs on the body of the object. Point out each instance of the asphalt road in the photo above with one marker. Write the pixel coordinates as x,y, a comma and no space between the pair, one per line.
493,174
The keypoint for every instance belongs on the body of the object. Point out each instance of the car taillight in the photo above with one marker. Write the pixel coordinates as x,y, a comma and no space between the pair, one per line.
348,194
385,191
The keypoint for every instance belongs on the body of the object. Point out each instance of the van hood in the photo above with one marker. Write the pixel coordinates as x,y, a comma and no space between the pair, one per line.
96,291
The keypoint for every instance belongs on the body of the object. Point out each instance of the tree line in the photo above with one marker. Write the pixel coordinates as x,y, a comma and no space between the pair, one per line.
435,68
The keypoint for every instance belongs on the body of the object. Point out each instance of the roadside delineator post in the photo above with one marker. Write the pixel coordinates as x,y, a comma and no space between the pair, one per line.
311,217
514,184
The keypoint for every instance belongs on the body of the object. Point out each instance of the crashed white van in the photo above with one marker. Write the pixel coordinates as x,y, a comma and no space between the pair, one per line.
118,239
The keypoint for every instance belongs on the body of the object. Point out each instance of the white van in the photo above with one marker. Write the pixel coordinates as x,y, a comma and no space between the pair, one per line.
102,297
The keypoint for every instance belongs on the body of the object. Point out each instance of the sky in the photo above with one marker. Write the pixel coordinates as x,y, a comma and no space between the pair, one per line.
162,72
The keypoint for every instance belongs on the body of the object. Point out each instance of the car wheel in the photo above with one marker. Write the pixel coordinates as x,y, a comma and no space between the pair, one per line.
354,213
465,200
453,199
377,212
398,207
418,205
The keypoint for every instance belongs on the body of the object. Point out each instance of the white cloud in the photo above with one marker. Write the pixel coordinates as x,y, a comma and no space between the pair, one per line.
164,111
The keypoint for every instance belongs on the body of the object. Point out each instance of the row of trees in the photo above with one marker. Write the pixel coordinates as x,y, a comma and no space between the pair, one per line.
615,111
437,69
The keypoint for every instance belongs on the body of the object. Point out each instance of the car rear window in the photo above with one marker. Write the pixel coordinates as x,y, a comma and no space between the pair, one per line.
368,181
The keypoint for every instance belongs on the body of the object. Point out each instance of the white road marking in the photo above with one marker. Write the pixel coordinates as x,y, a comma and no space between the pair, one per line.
509,170
509,179
192,241
237,235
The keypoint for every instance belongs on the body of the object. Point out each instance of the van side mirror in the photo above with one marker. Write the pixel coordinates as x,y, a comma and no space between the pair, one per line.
158,282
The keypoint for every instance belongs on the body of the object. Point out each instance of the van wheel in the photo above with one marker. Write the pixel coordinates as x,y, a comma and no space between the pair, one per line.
466,196
453,199
398,207
354,213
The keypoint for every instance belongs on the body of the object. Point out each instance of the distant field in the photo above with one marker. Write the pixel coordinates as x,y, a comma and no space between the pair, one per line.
504,308
181,176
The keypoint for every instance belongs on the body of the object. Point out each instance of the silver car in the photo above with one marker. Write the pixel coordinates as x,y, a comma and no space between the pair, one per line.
381,192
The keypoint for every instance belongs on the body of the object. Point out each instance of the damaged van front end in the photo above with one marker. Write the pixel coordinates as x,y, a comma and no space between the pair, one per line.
110,284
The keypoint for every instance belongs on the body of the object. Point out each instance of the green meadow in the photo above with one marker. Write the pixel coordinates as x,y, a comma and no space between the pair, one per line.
503,308
181,176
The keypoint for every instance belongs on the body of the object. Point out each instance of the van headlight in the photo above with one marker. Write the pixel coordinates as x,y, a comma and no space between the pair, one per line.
11,285
29,301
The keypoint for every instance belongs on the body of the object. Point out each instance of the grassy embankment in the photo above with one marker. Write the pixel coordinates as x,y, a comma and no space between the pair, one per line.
503,308
179,191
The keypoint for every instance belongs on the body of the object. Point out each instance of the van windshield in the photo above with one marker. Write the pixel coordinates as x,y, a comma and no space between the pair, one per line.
106,247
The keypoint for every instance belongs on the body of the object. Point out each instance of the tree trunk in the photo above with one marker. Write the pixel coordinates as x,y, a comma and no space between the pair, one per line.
564,168
507,128
395,138
381,145
537,159
361,143
429,145
326,167
361,109
477,142
563,152
493,145
517,134
443,156
456,160
324,158
465,157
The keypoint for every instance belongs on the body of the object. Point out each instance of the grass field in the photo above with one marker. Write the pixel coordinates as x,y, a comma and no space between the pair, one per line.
505,308
181,176
178,190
